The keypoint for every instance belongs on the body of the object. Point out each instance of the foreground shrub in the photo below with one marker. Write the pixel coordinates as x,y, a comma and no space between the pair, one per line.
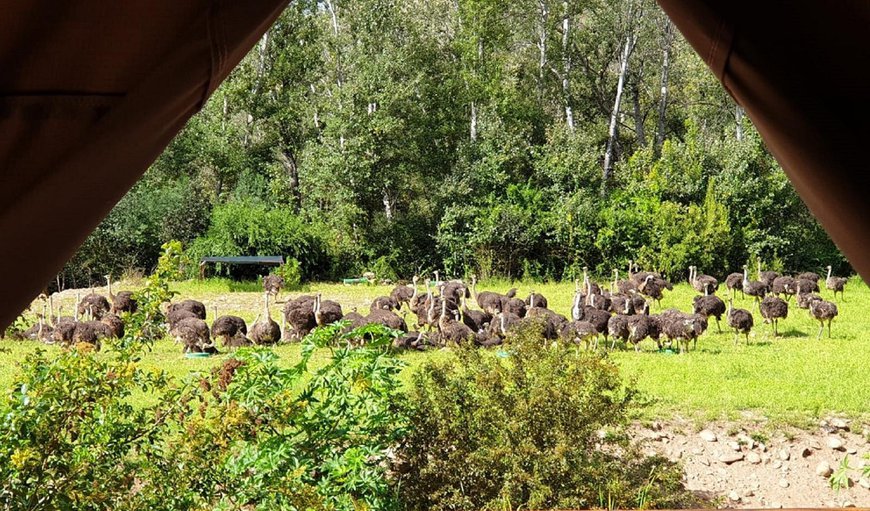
251,434
541,428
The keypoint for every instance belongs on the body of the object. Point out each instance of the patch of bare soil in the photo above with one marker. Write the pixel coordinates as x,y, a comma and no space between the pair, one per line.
748,466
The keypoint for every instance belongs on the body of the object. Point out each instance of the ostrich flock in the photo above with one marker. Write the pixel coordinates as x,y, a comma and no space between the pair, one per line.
440,313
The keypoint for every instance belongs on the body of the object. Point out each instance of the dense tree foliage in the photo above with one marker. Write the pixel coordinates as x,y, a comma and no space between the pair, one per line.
523,139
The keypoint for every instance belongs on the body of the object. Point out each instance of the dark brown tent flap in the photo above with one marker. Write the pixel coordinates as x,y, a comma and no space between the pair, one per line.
91,93
800,70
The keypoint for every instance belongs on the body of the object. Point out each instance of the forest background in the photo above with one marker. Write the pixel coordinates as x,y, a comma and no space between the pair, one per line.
523,139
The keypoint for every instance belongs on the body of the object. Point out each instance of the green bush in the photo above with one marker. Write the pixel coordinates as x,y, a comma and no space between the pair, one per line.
543,428
291,272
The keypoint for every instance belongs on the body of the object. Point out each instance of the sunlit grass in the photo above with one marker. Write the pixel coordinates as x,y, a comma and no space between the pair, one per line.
794,377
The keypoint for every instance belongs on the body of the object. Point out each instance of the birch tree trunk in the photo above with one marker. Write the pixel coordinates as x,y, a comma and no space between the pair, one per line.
542,44
665,79
566,65
291,168
738,117
612,132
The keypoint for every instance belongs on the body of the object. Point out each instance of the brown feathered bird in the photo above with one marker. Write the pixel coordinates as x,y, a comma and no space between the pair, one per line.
740,320
772,309
835,284
265,332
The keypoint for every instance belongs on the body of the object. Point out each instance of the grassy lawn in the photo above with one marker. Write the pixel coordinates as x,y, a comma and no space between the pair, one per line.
792,378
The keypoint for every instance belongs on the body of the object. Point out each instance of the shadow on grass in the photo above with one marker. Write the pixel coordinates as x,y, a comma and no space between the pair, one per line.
792,333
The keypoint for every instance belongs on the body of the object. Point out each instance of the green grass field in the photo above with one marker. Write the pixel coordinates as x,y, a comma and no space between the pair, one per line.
792,378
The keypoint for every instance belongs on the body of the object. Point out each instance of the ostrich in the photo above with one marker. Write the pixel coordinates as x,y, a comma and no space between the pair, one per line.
784,286
767,276
515,306
385,302
835,284
473,319
651,288
617,325
538,299
299,315
599,318
503,323
709,305
487,300
326,312
807,286
753,288
580,332
740,320
93,305
734,282
452,330
229,329
704,284
805,298
576,309
809,275
624,287
177,314
90,332
114,324
194,335
121,302
403,294
195,307
550,322
355,320
772,309
387,318
823,311
683,328
591,287
273,284
453,290
265,332
623,304
414,300
642,326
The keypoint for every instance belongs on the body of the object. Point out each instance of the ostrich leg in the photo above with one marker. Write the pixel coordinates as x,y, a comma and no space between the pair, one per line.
821,329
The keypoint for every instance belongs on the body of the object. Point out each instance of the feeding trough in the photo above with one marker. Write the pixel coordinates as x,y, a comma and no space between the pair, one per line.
360,280
197,355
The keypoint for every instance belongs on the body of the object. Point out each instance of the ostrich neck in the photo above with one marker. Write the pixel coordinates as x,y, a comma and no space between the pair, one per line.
829,272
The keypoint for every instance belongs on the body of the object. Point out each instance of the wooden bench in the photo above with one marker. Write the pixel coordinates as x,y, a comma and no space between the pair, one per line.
261,260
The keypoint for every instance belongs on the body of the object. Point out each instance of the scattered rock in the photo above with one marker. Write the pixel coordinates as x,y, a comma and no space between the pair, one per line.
707,435
852,450
763,447
783,483
864,483
731,457
824,469
734,496
697,452
835,443
734,445
656,426
753,458
784,455
848,504
704,461
806,452
839,423
814,444
722,472
776,464
776,505
749,493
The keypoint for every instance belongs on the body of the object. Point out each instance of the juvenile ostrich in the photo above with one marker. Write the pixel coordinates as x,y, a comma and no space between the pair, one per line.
194,336
642,326
453,290
591,287
710,305
538,299
580,332
766,276
114,324
809,275
487,300
576,308
753,288
273,284
326,312
835,284
195,307
123,301
176,315
550,322
734,282
356,320
503,323
93,305
683,328
823,311
623,286
807,286
773,308
651,288
598,318
387,318
386,303
704,284
229,329
452,330
515,306
265,332
784,287
805,298
299,315
90,332
414,301
617,325
403,294
474,319
740,320
622,304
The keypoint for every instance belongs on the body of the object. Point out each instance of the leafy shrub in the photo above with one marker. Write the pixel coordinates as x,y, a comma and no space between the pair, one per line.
540,429
249,229
291,272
